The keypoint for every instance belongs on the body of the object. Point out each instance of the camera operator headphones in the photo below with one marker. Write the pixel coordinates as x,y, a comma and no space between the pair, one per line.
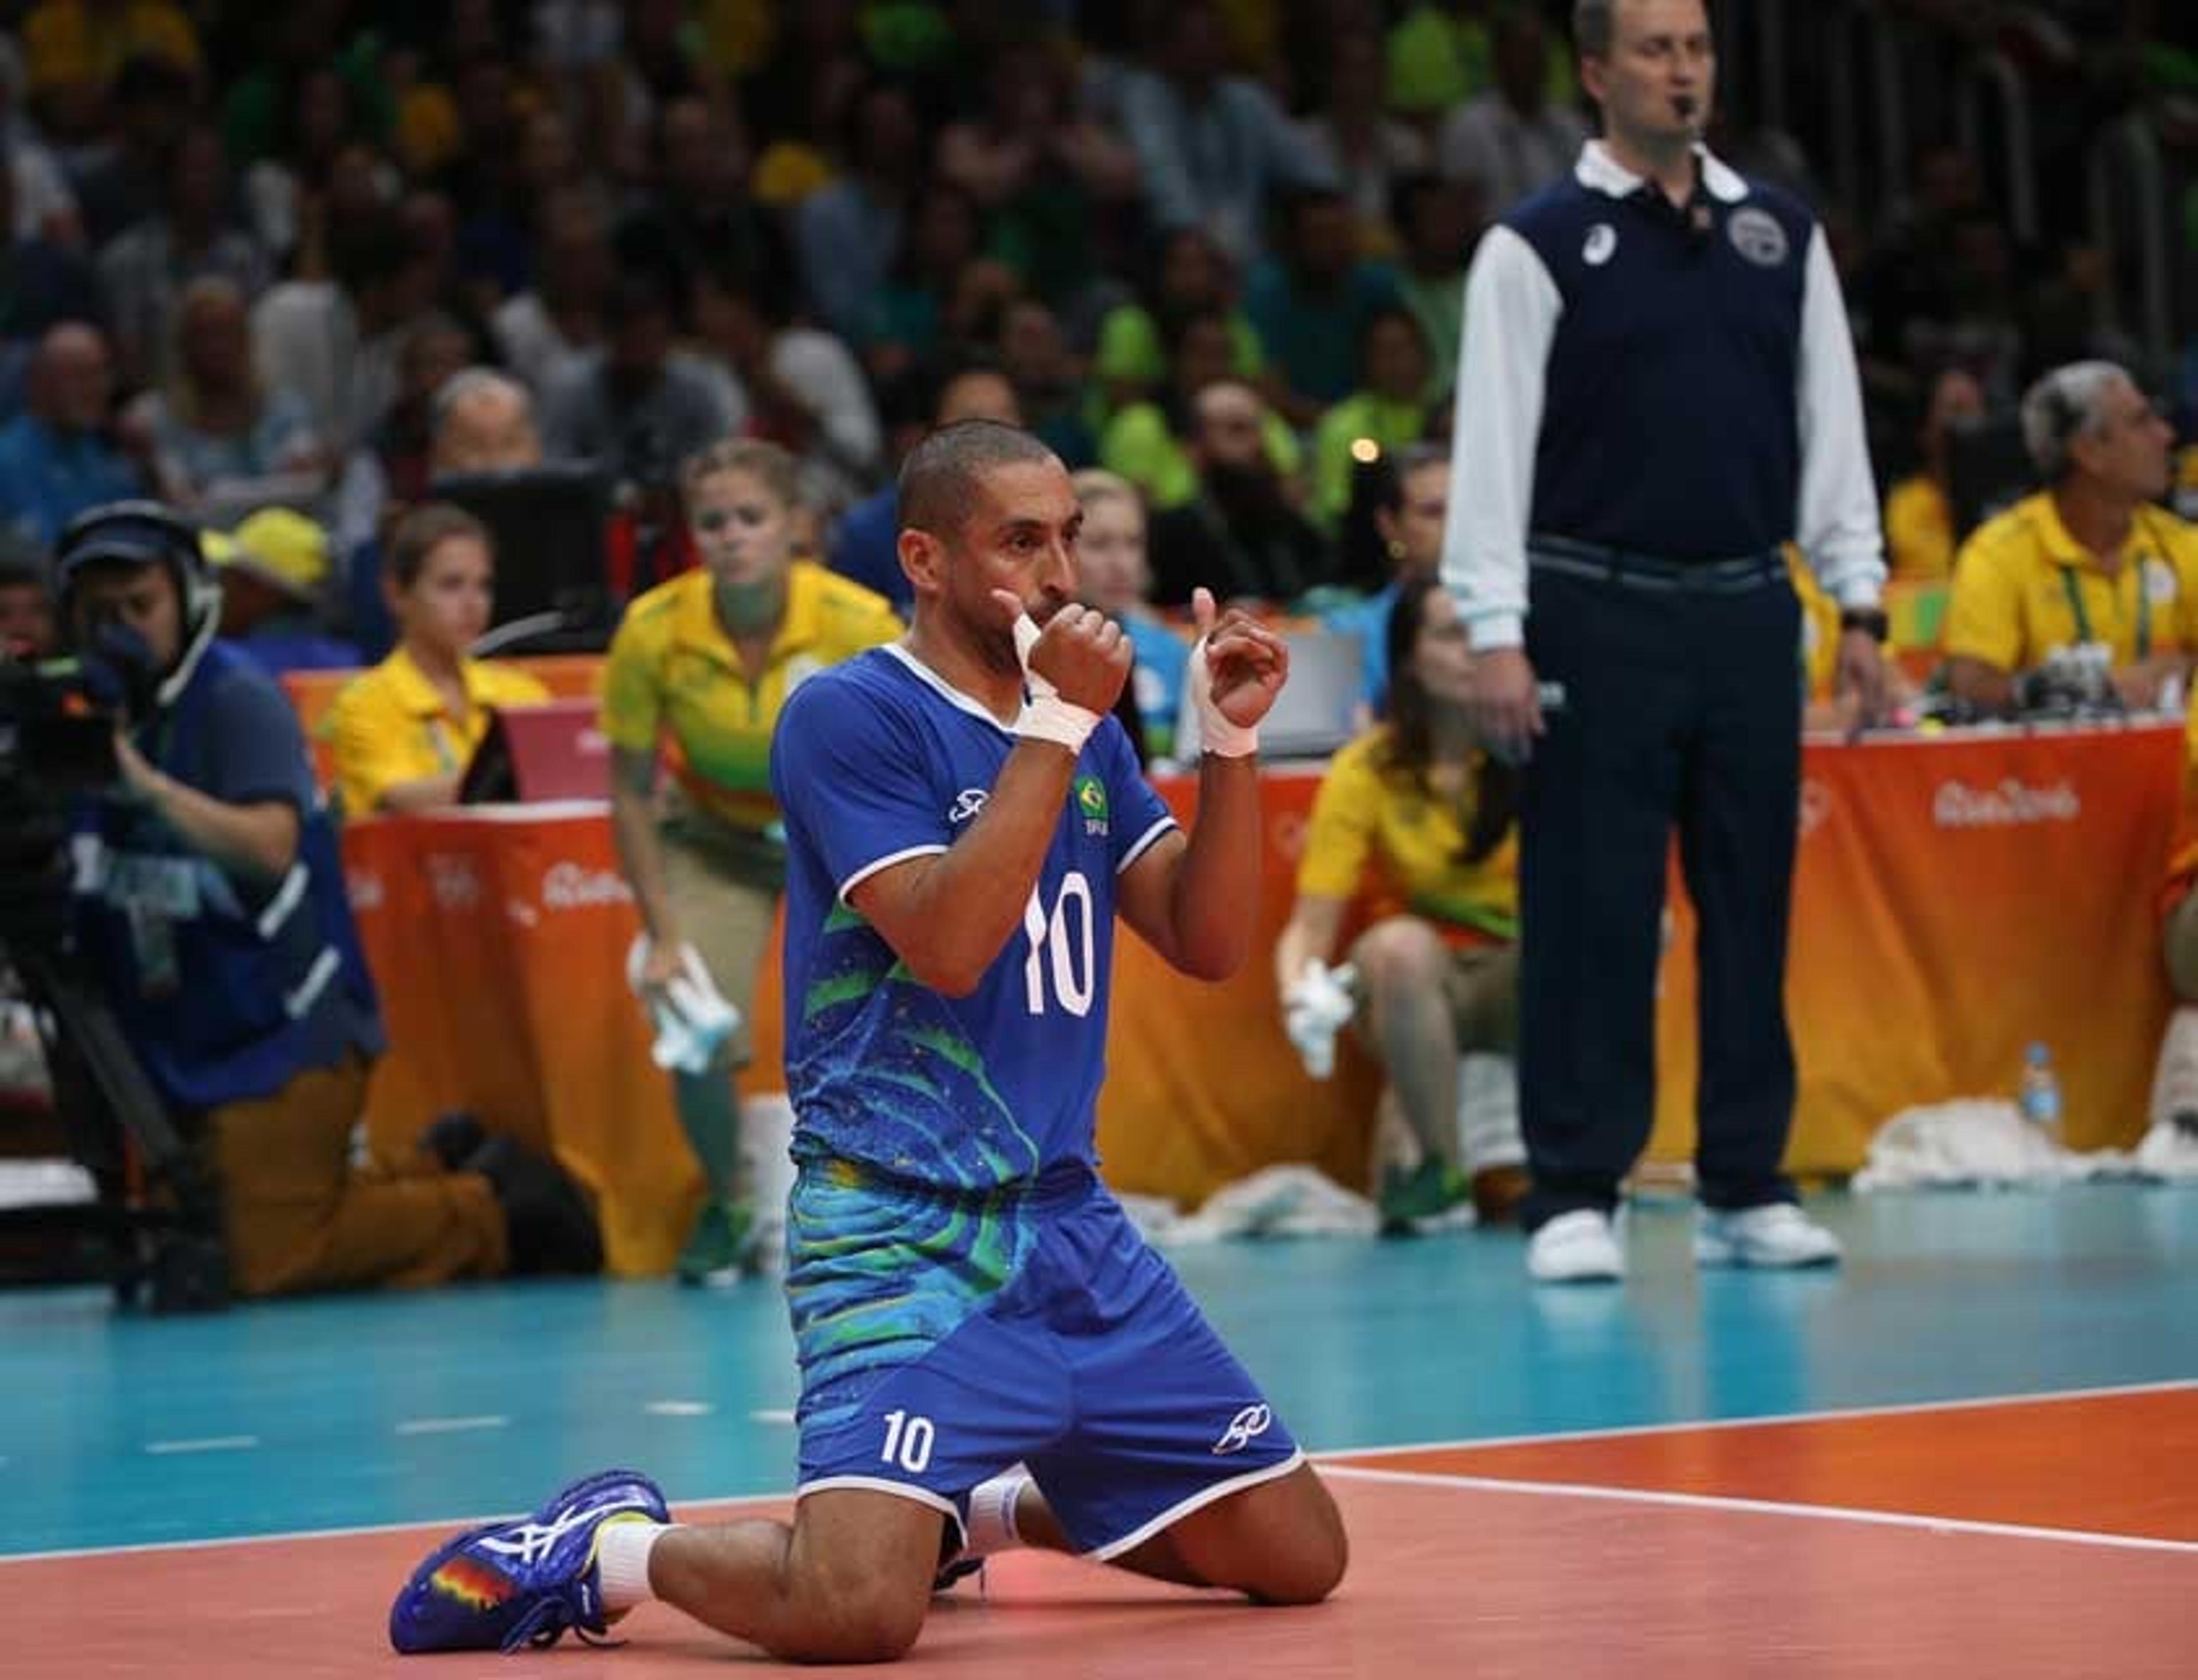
146,533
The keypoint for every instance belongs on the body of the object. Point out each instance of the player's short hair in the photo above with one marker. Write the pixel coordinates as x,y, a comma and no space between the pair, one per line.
938,480
773,468
1595,25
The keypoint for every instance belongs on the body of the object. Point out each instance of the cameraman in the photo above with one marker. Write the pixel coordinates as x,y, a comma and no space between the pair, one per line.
211,911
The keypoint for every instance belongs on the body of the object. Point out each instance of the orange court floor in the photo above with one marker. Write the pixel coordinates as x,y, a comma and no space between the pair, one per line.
1973,1450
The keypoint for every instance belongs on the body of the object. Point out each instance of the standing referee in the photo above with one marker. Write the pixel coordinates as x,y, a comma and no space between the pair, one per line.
1657,390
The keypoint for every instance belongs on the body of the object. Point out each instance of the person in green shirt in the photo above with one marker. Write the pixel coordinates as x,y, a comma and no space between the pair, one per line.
1387,413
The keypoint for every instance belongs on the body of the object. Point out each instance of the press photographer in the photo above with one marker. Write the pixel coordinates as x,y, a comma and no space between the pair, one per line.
210,910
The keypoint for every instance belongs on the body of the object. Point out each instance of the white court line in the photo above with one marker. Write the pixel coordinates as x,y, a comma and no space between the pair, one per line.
1707,1502
450,1426
679,1409
785,1417
205,1444
1620,1431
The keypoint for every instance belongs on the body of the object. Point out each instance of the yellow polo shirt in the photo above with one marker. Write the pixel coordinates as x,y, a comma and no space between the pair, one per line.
389,726
674,678
1919,530
1365,815
2023,587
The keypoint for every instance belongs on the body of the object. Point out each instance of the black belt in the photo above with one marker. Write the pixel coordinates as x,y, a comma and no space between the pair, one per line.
1576,559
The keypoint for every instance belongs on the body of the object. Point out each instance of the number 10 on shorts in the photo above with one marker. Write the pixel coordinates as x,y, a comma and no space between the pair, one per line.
908,1442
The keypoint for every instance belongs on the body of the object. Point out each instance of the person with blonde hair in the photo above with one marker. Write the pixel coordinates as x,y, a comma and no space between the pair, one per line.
696,676
1116,578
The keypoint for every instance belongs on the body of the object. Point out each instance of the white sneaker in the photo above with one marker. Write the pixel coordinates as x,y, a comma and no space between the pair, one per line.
1778,1234
1575,1248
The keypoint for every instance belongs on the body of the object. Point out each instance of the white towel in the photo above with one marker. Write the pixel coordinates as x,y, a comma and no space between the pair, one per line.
691,1016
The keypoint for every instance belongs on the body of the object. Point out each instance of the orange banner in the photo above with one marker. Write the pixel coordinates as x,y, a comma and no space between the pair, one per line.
1956,898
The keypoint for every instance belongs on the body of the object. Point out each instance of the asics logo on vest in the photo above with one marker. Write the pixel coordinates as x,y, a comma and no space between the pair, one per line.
1246,1426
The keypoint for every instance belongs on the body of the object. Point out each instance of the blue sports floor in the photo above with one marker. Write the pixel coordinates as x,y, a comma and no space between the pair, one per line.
366,1412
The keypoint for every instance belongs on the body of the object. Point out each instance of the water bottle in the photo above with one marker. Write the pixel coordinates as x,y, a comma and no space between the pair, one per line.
2040,1096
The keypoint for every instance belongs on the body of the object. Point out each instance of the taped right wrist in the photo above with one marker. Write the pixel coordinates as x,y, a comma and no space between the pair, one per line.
1047,716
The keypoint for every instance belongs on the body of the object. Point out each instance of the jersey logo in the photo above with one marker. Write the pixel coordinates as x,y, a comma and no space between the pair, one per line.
1602,245
1246,1426
1091,796
1756,235
967,804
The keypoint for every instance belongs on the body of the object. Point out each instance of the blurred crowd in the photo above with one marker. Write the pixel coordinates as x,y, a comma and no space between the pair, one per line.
266,257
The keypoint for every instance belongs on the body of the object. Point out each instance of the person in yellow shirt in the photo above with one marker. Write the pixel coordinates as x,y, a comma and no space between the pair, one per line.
401,735
1919,514
2092,559
698,672
1414,817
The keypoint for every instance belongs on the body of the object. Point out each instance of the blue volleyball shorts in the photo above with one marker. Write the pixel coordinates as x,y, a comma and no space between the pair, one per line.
943,1339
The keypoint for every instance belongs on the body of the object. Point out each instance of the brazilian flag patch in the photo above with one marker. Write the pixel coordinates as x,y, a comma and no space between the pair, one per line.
1091,796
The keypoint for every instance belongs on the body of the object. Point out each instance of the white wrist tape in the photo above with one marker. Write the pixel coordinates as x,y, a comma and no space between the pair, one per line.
1048,717
1216,733
1045,715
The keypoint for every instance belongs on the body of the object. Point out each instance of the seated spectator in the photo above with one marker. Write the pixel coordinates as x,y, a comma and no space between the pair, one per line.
1410,504
47,283
848,236
1241,533
287,190
223,441
637,407
1414,816
27,626
1311,304
805,390
1041,170
2091,560
1511,140
864,550
481,421
1213,147
145,271
562,314
74,49
1048,381
59,456
1361,146
1191,276
1113,575
209,906
123,181
910,318
1387,412
698,673
1438,223
435,350
402,733
274,570
702,221
1919,513
1149,442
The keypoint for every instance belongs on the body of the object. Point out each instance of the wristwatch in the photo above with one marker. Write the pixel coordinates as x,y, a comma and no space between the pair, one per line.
1869,619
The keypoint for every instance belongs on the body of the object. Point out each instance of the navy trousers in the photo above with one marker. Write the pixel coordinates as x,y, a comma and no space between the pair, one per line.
1682,699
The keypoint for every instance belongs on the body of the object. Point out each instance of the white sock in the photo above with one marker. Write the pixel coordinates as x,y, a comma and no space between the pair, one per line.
622,1549
992,1515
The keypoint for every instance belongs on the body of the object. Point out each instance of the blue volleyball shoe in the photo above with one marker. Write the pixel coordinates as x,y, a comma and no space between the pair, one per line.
505,1584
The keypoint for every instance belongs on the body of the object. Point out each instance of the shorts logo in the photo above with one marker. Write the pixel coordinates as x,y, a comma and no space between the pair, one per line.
967,804
1246,1426
1091,796
1756,235
1602,245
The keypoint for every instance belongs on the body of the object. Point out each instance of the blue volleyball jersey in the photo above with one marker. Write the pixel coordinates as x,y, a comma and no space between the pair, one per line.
877,761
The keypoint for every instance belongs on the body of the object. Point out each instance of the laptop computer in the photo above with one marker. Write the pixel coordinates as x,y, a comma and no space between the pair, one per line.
550,751
1316,712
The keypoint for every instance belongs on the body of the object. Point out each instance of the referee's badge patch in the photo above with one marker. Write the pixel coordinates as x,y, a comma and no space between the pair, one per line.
1756,235
1602,245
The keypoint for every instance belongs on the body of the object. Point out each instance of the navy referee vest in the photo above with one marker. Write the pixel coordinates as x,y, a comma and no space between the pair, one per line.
1670,424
